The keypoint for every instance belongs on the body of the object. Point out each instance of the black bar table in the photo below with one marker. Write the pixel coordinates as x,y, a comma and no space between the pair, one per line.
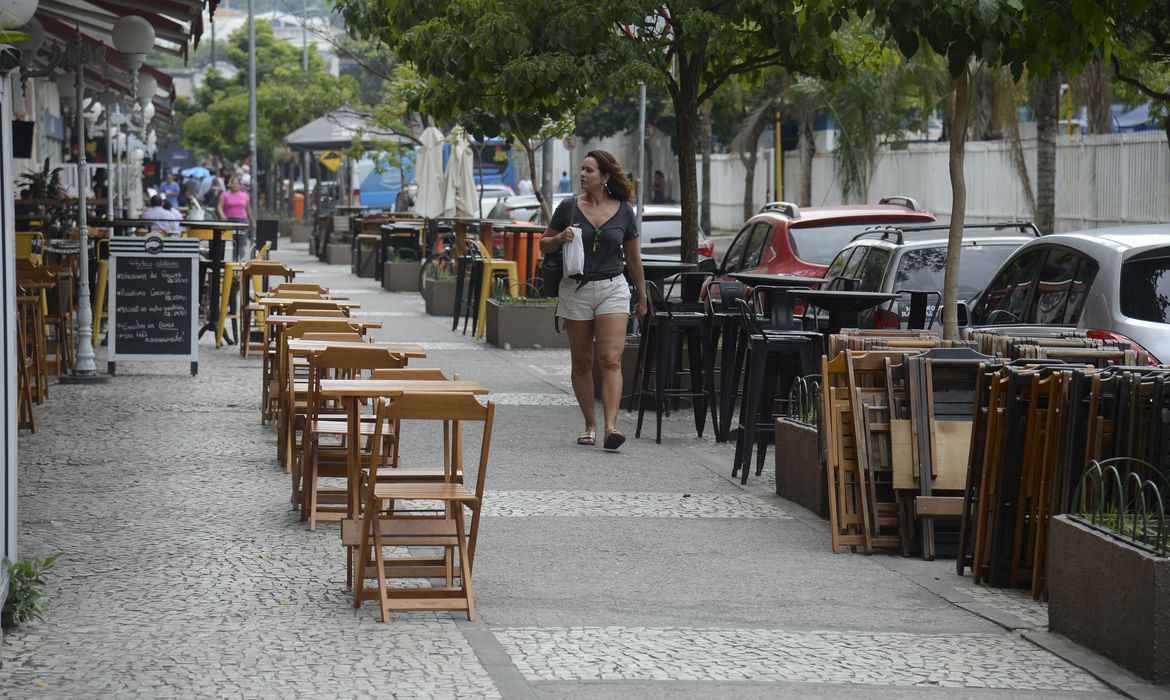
215,250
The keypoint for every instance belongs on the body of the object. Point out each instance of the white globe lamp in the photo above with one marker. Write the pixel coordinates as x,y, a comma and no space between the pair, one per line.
147,86
134,37
36,38
16,13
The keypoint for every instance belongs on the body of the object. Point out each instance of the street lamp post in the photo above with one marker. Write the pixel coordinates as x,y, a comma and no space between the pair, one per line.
79,57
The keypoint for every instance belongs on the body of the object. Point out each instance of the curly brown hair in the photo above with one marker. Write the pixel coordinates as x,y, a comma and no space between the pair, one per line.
619,186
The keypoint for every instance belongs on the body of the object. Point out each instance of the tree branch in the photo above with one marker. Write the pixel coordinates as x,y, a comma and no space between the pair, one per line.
717,79
1136,83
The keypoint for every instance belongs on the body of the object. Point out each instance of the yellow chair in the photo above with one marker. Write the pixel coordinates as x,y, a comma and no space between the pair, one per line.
28,245
231,273
99,291
491,266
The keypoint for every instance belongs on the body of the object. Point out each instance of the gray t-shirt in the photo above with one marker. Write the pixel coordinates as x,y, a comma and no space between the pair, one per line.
604,255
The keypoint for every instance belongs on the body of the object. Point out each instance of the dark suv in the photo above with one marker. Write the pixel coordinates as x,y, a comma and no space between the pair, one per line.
913,258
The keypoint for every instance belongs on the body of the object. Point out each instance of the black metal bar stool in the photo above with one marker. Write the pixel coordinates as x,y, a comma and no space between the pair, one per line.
721,333
773,359
667,329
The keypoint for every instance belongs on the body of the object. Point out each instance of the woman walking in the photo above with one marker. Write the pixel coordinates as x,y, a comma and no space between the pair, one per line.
234,206
595,305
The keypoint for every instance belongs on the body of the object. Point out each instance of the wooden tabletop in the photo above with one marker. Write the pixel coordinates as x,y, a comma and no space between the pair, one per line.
285,301
369,388
282,320
412,350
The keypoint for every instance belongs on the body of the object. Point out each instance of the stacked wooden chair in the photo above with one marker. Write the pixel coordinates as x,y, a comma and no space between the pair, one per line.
1039,423
386,522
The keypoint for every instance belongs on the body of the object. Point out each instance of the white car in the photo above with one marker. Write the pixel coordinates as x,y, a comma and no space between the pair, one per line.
661,224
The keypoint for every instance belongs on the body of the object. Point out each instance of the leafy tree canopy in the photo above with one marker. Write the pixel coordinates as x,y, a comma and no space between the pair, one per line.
216,121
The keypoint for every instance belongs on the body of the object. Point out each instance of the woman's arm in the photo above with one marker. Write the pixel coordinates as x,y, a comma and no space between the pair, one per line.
219,208
633,248
553,239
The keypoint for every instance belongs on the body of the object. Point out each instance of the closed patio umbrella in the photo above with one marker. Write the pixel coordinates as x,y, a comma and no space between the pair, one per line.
459,195
429,202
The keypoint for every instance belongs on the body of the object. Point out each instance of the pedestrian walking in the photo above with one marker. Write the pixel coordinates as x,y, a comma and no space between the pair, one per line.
170,190
564,186
234,206
595,305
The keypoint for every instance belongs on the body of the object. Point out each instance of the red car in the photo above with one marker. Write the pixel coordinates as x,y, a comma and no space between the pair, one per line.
785,239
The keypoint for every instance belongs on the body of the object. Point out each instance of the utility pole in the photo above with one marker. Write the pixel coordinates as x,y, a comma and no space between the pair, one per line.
641,184
305,162
778,154
253,185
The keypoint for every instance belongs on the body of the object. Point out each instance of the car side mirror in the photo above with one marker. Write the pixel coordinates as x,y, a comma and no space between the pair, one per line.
963,314
707,265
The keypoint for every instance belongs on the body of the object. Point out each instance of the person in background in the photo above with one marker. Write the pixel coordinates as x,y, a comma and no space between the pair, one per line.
211,199
166,222
170,190
235,205
658,188
403,201
564,185
525,187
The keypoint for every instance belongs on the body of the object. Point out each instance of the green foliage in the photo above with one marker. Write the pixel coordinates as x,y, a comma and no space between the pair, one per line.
42,184
216,122
26,591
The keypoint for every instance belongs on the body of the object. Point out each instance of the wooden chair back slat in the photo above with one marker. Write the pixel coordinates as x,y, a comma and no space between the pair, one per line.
410,373
340,336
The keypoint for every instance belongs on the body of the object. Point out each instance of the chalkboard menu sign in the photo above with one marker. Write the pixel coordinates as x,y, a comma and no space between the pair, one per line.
154,300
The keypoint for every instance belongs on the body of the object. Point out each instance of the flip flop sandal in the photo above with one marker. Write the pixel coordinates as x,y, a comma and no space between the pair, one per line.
613,441
588,437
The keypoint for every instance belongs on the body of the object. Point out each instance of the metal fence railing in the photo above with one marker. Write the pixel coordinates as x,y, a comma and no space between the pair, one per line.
1125,498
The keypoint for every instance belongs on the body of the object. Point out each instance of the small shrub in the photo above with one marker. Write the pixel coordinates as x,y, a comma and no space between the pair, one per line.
26,590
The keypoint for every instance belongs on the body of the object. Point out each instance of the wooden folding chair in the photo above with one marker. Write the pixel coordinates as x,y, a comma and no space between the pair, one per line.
300,307
300,287
401,529
318,460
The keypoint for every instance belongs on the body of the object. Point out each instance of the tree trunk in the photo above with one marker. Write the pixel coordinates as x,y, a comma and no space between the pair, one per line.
1047,107
686,109
1097,82
808,151
959,115
705,146
749,154
530,152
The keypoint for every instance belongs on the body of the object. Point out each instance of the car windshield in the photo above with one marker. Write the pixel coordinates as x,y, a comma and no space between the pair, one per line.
819,244
1145,289
921,269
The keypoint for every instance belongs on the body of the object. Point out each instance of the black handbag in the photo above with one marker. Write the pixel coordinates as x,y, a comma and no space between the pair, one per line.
552,266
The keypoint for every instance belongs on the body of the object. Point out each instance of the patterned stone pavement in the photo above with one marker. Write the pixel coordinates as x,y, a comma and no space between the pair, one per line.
185,574
763,655
578,504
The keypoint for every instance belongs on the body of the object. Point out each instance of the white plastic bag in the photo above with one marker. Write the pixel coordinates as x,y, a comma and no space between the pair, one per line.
574,252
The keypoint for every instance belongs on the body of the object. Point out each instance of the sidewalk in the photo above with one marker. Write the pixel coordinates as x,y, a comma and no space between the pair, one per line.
644,574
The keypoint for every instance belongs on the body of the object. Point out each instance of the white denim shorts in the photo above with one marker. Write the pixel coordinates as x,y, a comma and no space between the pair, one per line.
593,299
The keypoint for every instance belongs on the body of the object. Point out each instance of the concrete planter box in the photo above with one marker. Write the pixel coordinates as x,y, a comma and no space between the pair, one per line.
300,232
1110,596
520,325
439,296
400,276
800,472
338,254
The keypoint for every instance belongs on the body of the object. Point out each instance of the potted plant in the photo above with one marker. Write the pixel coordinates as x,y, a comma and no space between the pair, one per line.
523,322
438,291
400,272
800,466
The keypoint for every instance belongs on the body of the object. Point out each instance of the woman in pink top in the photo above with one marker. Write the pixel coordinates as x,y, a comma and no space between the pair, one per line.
233,204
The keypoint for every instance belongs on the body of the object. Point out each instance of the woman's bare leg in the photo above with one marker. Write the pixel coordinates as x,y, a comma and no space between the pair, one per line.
611,341
581,349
